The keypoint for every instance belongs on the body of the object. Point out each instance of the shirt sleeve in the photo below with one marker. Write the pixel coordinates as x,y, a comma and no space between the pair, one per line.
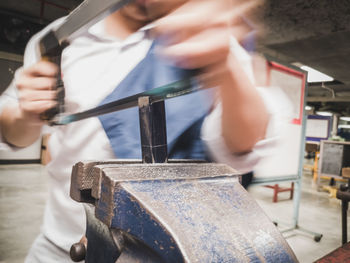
278,107
10,95
31,56
8,98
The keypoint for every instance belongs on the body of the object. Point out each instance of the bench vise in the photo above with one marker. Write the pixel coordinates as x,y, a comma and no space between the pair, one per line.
181,211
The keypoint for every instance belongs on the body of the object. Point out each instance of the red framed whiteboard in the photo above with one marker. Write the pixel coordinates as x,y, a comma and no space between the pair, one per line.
293,83
283,161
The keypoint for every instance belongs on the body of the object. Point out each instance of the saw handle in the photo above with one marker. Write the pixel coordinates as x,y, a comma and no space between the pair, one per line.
51,50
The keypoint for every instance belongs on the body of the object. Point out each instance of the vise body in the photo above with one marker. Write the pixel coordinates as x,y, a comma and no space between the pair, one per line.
180,211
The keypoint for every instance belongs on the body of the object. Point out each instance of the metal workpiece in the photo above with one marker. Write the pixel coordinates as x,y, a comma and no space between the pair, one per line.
178,88
180,212
154,146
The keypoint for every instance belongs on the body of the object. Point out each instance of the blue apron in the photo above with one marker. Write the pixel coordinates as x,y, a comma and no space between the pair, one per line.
184,115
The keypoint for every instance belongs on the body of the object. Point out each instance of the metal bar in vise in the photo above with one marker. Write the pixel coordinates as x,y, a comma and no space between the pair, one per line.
168,91
153,131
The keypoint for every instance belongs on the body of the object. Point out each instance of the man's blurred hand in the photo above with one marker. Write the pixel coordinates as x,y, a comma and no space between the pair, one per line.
35,90
197,34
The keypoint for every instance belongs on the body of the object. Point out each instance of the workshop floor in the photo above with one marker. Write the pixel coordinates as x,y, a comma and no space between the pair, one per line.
318,213
23,193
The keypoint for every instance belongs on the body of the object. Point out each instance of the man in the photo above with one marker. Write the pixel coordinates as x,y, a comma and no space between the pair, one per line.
191,34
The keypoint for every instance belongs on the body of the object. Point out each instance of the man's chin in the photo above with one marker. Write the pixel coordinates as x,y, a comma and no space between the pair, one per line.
138,13
150,10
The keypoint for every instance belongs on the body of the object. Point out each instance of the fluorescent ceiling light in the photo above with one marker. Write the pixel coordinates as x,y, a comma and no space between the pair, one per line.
316,76
324,113
307,107
345,118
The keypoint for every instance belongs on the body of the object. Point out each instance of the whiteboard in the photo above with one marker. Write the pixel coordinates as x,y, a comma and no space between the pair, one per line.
291,86
284,159
317,128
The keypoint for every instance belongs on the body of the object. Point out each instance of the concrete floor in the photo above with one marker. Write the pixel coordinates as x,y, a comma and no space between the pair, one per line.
22,199
23,193
318,213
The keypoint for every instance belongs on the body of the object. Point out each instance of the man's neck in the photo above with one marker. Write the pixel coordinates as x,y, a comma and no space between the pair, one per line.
120,26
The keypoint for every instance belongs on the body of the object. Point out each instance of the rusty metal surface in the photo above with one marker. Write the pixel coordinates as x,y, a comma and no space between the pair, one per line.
210,221
82,177
186,212
169,171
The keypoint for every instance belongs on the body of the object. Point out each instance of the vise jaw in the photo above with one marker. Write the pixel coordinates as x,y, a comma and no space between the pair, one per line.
180,211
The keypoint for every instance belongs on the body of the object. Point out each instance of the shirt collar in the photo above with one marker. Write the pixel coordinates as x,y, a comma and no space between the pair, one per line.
98,30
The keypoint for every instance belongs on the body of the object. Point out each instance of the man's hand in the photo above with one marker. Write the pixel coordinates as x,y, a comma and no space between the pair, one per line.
197,35
35,90
21,125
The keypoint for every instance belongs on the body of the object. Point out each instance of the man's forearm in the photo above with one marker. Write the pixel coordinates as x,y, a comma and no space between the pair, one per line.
16,129
244,116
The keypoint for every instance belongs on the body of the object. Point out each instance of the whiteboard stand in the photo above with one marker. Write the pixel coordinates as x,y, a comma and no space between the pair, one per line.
297,194
294,85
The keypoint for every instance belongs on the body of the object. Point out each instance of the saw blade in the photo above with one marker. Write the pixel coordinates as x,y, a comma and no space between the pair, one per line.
172,90
85,15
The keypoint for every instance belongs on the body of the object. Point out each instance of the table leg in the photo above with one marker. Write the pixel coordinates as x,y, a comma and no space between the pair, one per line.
344,206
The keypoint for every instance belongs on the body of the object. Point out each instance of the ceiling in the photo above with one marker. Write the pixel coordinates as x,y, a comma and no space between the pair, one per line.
314,32
19,20
42,11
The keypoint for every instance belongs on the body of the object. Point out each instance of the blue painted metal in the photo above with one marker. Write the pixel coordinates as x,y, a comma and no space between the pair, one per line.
187,212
